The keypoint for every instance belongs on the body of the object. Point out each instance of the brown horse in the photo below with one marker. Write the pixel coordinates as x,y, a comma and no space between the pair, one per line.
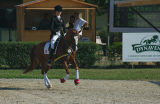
65,43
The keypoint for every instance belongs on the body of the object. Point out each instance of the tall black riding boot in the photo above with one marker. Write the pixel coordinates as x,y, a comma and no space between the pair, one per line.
51,53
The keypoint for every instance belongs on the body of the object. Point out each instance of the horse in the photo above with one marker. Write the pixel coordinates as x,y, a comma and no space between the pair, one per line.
64,52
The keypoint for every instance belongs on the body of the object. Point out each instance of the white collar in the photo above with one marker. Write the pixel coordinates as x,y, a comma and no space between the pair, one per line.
58,17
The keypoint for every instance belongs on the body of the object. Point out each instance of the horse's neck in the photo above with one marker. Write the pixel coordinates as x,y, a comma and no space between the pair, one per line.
69,38
65,42
63,46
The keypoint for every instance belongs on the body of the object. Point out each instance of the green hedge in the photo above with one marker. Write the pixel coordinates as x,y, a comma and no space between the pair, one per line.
16,54
87,54
115,50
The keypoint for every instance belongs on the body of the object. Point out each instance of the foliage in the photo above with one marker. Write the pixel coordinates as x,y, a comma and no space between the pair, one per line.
86,54
115,50
113,37
16,54
102,5
103,34
3,54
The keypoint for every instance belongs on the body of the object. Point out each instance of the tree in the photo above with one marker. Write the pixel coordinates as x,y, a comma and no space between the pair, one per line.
102,5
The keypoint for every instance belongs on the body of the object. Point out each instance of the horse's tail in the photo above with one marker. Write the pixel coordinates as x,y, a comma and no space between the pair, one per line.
33,59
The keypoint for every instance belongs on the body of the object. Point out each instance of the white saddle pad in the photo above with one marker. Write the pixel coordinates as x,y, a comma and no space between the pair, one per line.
46,48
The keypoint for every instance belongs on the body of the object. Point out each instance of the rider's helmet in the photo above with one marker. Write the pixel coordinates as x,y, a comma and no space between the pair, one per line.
58,8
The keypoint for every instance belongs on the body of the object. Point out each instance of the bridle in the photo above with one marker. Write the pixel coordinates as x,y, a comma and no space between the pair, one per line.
67,47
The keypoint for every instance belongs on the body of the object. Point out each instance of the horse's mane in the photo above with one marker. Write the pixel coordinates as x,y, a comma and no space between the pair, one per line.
66,41
69,37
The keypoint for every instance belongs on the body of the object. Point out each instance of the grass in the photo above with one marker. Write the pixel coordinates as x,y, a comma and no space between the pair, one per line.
100,74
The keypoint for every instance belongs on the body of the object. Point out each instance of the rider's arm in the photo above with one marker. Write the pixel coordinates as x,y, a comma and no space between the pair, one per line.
52,25
64,27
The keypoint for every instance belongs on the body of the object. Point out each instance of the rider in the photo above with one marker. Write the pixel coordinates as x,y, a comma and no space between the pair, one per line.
78,27
57,27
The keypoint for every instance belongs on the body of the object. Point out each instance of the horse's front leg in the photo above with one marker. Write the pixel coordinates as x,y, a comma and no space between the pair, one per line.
73,62
67,72
76,81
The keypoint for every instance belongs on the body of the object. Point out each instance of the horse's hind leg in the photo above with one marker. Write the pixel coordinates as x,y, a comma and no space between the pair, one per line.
44,72
47,81
67,72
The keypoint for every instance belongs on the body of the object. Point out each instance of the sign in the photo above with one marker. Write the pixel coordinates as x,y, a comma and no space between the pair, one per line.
85,39
141,47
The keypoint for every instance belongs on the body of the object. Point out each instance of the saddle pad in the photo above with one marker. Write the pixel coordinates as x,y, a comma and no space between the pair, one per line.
46,48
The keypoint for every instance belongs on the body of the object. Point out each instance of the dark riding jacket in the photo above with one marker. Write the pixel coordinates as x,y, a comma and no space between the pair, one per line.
57,25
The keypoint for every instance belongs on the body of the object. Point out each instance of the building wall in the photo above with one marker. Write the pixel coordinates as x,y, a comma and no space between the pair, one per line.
34,16
26,1
8,15
9,3
4,35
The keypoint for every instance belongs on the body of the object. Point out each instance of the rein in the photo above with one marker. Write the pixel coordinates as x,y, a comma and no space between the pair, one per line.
66,47
64,55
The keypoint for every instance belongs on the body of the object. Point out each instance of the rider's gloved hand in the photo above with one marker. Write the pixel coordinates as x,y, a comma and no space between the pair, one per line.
64,34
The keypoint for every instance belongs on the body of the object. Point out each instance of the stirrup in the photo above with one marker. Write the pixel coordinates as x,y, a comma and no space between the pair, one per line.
49,64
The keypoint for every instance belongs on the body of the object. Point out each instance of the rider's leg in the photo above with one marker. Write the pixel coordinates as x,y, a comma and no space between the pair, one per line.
50,56
53,48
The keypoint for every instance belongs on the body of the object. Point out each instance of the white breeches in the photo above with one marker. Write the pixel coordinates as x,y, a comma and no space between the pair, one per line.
54,38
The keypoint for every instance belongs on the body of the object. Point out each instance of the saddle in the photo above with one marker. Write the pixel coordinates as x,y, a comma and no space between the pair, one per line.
47,47
58,59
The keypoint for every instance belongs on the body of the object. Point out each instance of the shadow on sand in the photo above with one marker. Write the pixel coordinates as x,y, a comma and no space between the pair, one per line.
10,88
155,82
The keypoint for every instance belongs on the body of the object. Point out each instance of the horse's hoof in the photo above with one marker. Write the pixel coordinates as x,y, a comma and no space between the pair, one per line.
76,81
49,86
62,80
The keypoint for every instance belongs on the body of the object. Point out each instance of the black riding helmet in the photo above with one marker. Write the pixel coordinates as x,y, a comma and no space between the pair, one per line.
58,8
